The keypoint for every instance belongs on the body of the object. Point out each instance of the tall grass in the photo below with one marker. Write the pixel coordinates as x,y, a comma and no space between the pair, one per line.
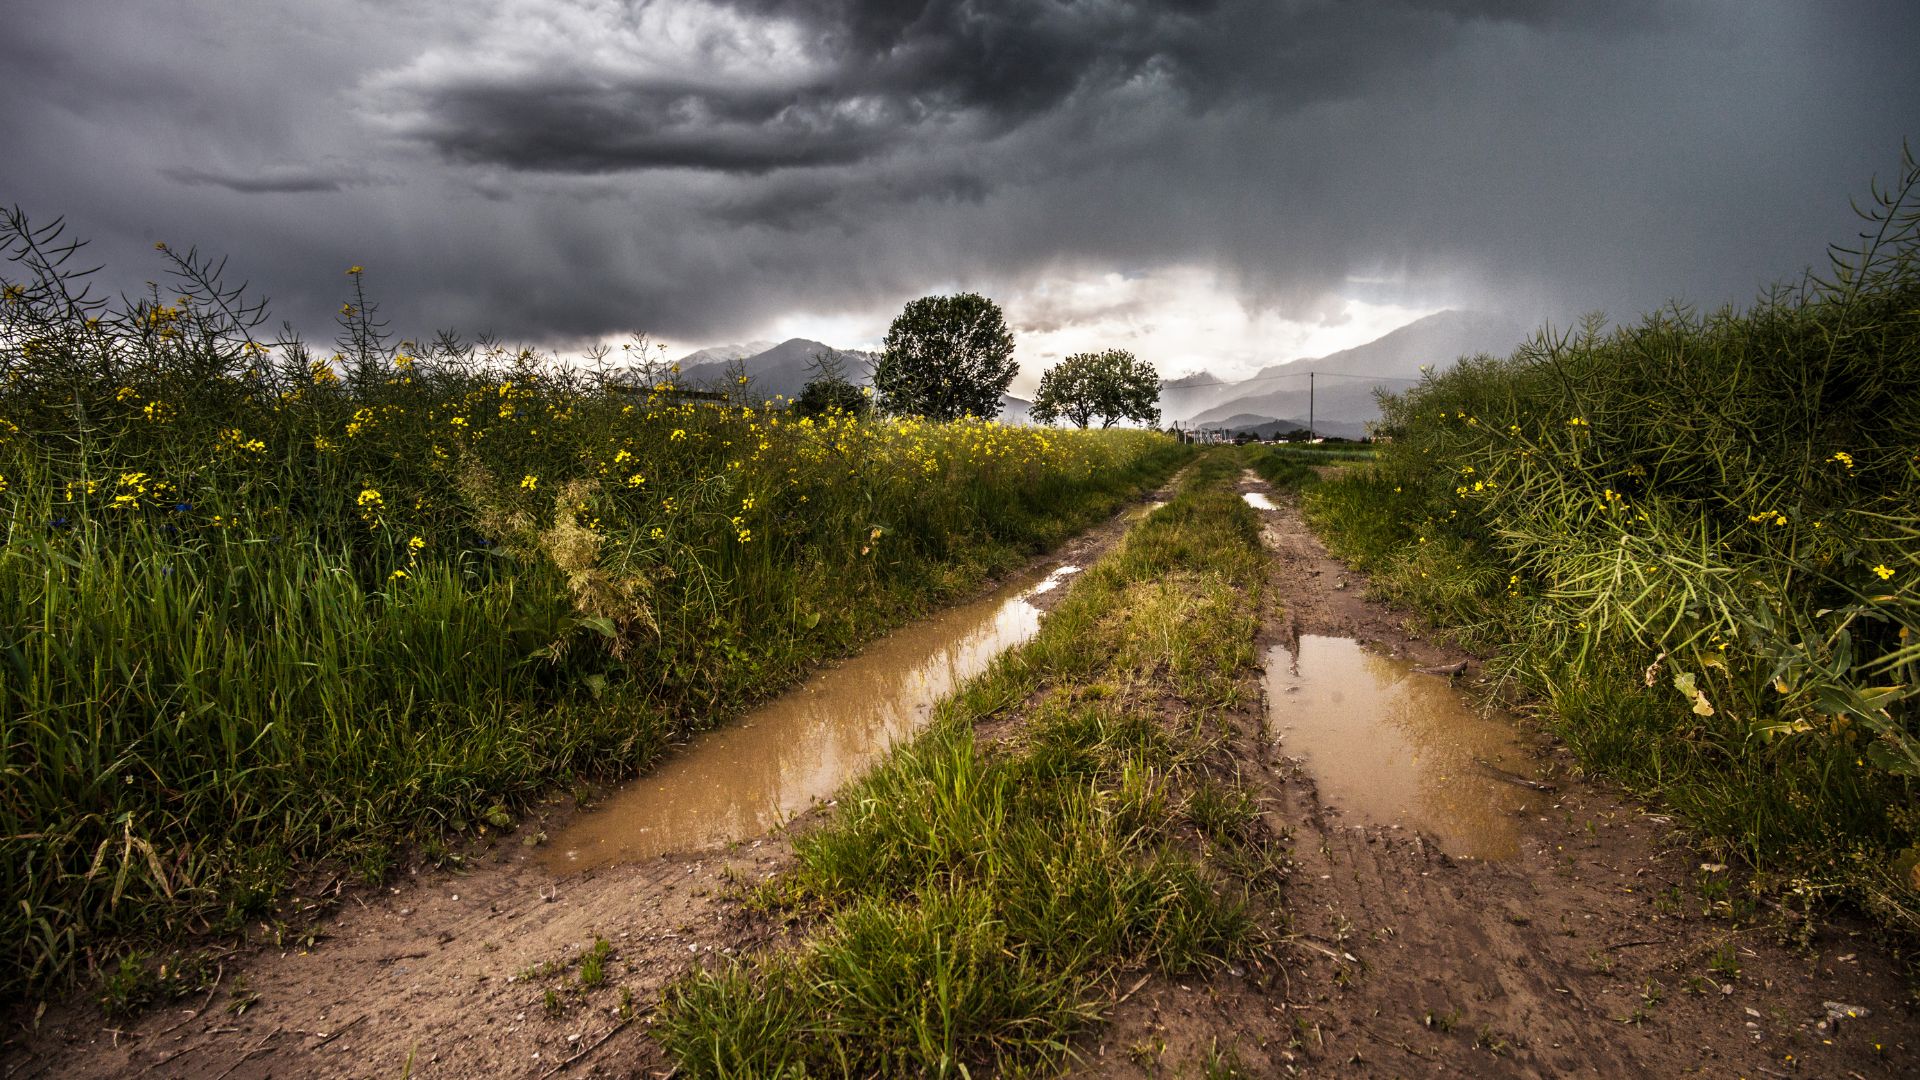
262,605
979,900
1698,537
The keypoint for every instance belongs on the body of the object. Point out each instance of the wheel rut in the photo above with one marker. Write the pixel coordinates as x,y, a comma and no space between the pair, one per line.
1594,950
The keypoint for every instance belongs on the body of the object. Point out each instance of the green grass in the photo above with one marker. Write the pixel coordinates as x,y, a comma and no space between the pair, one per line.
1324,453
264,609
971,905
1695,540
1292,468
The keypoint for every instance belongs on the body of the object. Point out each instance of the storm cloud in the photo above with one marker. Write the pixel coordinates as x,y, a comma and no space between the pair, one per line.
569,170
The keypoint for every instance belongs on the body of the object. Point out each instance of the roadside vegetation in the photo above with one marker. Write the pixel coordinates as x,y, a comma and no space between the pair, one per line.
976,901
265,607
1696,541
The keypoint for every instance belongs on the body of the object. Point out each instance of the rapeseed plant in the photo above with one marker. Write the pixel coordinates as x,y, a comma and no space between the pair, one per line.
1733,494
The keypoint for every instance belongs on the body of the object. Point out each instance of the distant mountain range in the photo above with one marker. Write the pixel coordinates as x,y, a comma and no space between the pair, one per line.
1343,404
776,370
1274,399
720,354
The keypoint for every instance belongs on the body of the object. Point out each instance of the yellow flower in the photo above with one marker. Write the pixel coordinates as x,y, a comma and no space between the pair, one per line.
1843,458
657,533
1884,571
355,270
529,482
636,480
397,575
370,497
677,434
415,545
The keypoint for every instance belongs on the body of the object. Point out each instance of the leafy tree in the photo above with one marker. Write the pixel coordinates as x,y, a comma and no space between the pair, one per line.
830,389
946,357
1113,385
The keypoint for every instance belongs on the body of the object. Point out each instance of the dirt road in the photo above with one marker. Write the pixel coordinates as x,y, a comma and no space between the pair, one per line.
1599,947
447,972
1589,953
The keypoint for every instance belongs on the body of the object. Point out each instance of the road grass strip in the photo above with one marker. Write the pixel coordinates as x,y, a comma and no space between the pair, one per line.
972,902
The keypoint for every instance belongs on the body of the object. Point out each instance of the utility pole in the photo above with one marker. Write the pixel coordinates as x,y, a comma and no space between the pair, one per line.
1310,434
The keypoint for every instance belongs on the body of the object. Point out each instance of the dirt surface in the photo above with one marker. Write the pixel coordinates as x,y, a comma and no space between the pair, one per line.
448,972
1603,949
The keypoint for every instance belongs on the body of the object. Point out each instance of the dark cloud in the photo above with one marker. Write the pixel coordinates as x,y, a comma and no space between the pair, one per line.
882,74
564,169
266,182
878,75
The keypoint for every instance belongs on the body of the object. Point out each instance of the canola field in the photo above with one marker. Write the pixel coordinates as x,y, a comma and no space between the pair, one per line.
267,608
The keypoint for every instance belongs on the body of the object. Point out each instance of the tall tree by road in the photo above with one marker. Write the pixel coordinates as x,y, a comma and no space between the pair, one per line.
1114,385
946,357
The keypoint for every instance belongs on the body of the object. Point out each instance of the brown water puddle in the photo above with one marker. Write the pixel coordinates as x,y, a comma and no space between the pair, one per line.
1393,747
746,779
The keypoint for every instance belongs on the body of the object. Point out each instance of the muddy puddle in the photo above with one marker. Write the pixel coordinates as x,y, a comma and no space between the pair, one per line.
1142,513
1389,746
744,780
1258,500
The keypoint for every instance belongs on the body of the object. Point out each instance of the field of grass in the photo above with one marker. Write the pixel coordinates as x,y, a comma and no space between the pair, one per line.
1325,453
971,905
1696,540
265,608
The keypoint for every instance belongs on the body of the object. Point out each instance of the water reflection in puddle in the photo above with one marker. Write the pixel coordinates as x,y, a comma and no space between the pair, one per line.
1258,500
1052,580
745,779
1392,747
1142,513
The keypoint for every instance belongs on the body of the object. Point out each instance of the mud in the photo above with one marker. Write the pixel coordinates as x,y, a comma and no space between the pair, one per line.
1386,745
446,972
749,778
1603,947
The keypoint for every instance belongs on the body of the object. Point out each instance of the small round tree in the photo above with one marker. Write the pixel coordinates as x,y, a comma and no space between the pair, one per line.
829,389
946,357
1114,385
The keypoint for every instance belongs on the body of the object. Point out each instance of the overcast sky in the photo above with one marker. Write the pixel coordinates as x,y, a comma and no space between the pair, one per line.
1219,183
